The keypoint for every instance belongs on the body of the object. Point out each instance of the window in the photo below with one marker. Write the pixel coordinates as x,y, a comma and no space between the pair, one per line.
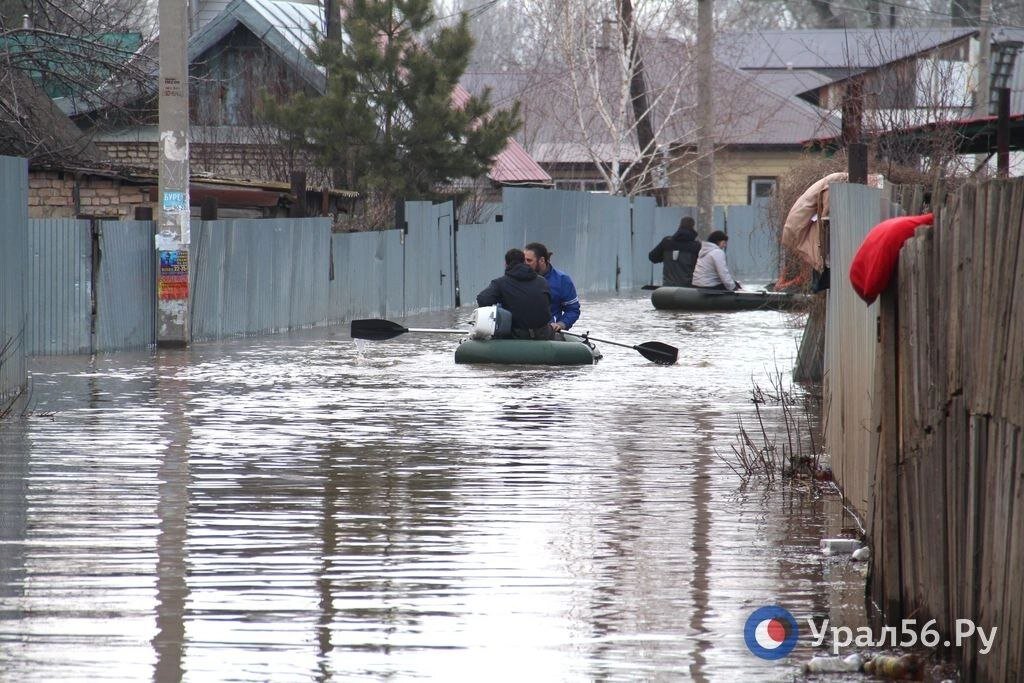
582,185
760,187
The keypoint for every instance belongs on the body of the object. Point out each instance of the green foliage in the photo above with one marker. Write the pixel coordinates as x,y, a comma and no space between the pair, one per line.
386,123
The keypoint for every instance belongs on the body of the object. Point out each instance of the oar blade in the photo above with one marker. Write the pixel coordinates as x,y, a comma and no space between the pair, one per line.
659,353
376,329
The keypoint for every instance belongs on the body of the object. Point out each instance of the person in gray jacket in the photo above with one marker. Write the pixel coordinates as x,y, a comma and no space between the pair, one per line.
711,271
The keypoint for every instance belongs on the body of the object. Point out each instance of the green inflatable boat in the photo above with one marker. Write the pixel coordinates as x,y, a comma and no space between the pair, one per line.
697,299
525,352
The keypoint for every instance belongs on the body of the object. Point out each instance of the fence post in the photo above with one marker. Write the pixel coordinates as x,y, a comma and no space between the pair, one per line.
885,513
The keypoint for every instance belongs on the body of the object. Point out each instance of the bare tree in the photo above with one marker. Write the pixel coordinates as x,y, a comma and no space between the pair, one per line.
78,55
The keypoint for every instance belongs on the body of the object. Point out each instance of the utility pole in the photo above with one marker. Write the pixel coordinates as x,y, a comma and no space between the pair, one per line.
706,119
172,238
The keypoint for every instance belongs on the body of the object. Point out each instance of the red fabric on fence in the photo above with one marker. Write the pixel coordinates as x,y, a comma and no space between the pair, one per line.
872,267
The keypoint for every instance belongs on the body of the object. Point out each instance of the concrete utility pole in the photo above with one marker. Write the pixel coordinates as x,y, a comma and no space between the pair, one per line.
172,239
706,119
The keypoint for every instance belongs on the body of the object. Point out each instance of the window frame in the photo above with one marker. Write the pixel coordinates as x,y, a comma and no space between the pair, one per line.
752,179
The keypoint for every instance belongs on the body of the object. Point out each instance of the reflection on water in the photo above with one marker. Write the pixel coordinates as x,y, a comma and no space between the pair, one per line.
297,508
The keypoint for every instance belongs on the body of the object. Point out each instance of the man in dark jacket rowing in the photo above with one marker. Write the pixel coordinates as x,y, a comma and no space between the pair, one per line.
679,254
524,294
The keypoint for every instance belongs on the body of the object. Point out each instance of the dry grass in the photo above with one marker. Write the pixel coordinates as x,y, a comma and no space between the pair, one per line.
792,451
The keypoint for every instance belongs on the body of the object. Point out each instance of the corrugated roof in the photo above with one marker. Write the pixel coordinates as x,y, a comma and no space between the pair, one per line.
556,130
513,166
828,48
788,83
285,27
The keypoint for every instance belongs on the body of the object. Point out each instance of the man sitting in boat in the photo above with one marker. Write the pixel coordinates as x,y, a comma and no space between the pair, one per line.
524,294
711,271
678,254
565,304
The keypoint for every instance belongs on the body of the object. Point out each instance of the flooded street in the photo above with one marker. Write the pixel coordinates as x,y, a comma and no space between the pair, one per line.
297,507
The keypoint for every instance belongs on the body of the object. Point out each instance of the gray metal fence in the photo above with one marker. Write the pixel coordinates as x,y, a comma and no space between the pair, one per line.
126,286
13,257
480,257
364,265
255,276
428,282
753,252
91,285
60,289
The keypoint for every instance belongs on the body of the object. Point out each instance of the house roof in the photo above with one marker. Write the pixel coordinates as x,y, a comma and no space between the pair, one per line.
790,83
785,60
829,49
288,29
556,130
66,65
513,165
972,135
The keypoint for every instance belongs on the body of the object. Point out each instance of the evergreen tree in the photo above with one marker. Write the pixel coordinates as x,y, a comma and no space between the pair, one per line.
386,124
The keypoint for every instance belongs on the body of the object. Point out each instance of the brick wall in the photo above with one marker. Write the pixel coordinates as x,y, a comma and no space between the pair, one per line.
53,194
221,159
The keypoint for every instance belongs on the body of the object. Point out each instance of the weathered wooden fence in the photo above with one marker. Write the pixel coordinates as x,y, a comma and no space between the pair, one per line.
945,505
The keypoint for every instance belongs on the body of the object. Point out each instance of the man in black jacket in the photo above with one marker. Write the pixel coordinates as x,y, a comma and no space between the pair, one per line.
678,253
524,294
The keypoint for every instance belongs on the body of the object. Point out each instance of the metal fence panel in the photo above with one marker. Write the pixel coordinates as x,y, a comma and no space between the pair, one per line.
480,250
608,254
126,291
588,234
367,274
429,270
253,276
753,252
13,272
849,341
643,236
59,287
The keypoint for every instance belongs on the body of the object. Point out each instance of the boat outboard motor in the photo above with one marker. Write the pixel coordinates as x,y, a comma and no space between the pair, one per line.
491,321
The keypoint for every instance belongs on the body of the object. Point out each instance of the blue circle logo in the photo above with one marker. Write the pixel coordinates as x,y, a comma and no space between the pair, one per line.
771,632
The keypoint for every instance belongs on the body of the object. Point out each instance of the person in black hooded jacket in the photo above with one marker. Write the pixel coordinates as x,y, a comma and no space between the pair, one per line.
524,294
678,253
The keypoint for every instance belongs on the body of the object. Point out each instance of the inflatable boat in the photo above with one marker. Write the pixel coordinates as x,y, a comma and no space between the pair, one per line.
697,299
525,352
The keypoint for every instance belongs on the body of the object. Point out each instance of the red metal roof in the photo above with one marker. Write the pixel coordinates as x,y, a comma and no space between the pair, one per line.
512,166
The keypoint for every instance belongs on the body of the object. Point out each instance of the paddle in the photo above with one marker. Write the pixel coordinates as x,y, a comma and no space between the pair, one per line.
656,352
379,330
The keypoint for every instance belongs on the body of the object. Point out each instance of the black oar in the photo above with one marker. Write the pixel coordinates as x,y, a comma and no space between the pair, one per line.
656,352
379,330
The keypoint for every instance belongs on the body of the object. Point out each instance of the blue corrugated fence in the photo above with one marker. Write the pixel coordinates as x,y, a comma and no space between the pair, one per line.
92,285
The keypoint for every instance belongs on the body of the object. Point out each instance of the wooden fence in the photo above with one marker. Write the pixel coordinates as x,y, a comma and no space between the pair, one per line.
945,510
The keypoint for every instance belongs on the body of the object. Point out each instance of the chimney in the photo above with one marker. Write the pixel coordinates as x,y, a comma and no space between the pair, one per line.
26,22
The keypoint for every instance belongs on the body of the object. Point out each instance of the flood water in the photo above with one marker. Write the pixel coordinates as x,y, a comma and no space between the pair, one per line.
302,507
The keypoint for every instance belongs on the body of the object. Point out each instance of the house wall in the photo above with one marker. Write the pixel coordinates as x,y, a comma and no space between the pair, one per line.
53,194
219,158
733,169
